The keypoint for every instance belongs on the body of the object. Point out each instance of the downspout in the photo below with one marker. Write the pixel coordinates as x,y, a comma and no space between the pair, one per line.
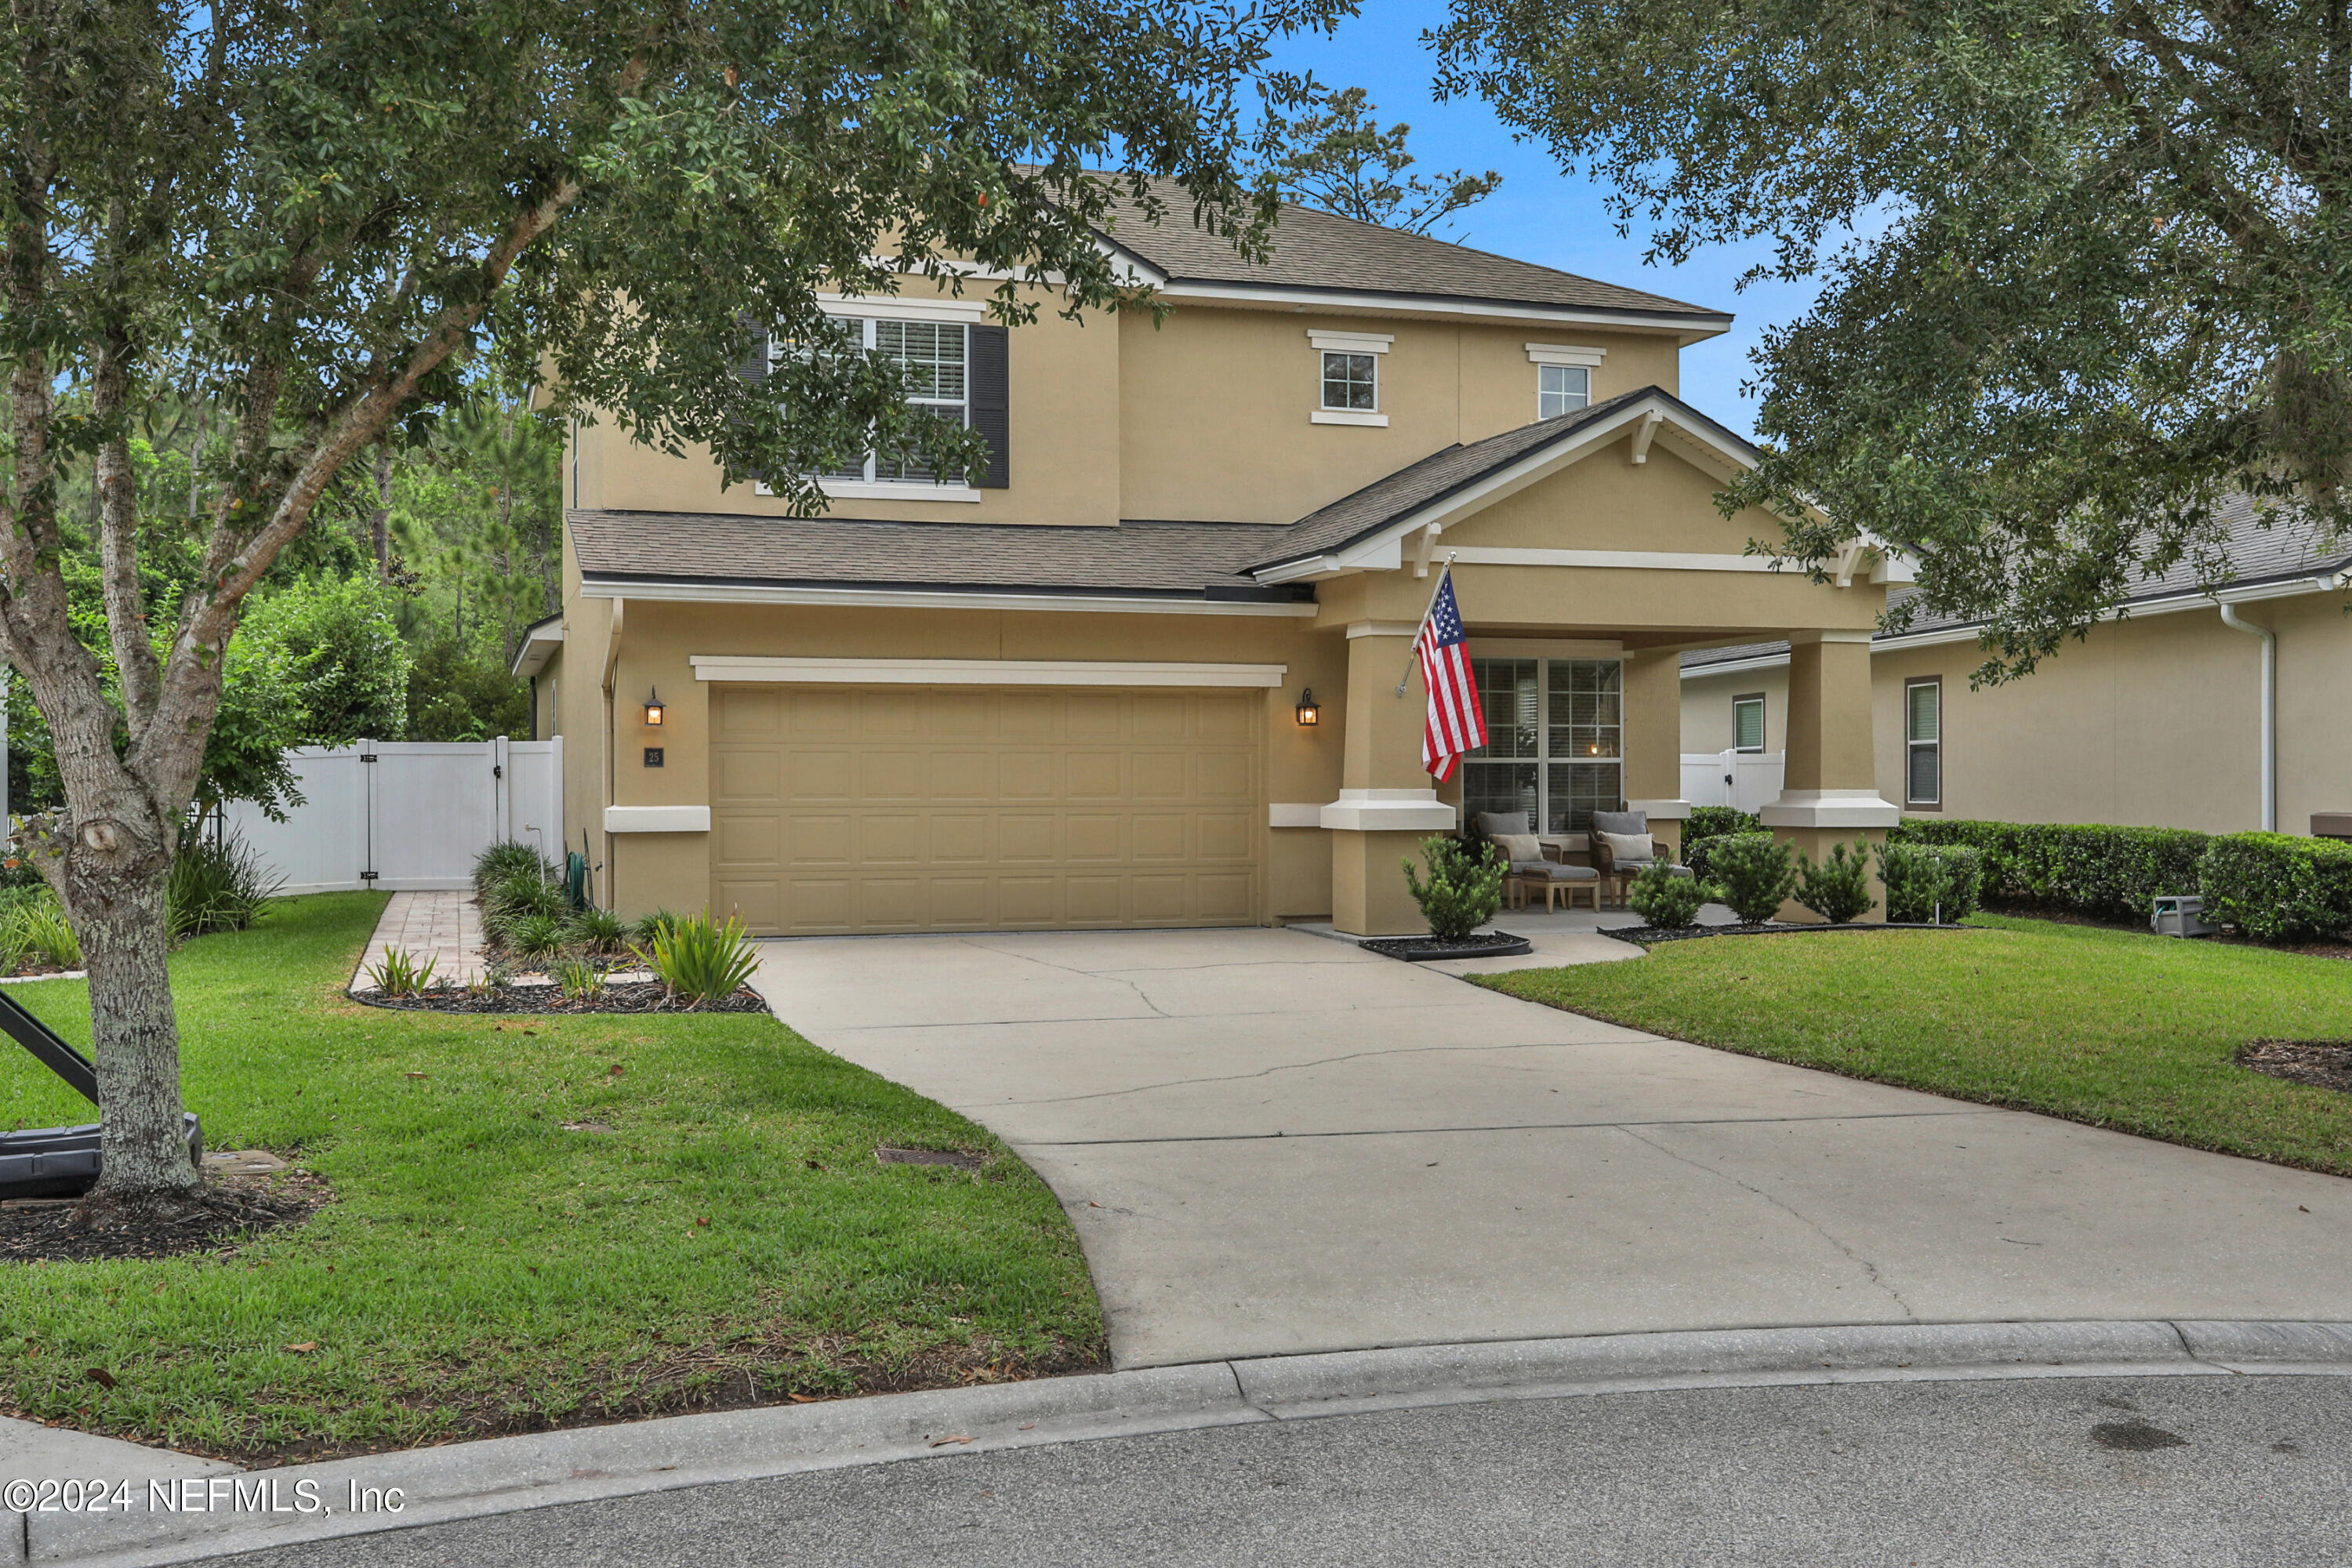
2270,711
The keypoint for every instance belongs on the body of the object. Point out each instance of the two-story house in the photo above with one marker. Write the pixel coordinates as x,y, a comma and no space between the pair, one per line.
1144,670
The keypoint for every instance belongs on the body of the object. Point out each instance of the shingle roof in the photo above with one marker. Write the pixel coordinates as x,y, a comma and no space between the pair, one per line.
1173,559
2256,554
1442,473
1316,249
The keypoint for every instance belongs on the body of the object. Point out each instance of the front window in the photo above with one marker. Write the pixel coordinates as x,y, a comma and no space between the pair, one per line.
1555,734
1923,740
1561,389
932,356
1351,380
1748,722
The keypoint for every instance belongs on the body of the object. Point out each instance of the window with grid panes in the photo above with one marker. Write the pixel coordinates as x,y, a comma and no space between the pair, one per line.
1555,734
1351,380
932,355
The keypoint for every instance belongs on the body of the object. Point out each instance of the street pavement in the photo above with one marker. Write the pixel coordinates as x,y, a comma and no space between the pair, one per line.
1273,1143
2215,1472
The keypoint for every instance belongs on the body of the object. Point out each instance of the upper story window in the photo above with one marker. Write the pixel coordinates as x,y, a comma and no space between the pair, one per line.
1561,389
955,369
1351,377
1563,377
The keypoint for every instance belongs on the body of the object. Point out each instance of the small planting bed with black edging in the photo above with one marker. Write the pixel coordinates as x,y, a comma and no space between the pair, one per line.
612,996
1430,948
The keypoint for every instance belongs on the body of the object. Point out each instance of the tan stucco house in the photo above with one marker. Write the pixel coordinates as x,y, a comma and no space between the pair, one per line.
1074,689
2221,709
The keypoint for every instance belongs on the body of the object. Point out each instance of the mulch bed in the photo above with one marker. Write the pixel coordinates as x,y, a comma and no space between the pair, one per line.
229,1212
1428,948
2323,1064
628,997
1649,936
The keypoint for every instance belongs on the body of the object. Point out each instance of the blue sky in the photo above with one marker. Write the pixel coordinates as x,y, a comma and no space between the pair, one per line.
1541,214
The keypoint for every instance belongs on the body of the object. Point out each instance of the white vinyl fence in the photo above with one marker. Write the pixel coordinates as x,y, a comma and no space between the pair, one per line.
398,814
1748,780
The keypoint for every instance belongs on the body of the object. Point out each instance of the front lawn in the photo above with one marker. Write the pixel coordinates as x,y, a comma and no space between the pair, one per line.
483,1270
2116,1029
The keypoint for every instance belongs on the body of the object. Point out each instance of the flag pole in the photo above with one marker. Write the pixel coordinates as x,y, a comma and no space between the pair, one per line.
1443,573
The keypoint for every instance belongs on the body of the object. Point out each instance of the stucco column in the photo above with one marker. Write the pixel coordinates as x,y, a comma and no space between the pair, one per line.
1829,792
1386,805
1653,743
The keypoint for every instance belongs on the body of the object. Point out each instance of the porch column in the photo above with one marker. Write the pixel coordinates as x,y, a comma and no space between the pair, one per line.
1386,804
1830,792
1654,744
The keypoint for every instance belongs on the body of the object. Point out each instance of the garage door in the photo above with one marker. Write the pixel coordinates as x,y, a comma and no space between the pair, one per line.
875,808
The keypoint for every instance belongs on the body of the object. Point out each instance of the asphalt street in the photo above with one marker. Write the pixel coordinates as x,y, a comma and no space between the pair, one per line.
2213,1471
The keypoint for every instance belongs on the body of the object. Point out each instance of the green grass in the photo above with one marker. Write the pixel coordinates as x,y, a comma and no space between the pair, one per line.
2115,1028
481,1270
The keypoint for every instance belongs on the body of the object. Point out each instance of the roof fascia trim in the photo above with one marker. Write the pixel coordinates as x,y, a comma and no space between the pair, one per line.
2165,604
655,588
1699,325
1736,666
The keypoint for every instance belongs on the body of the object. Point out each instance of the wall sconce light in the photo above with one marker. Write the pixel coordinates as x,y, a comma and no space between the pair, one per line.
653,708
1309,714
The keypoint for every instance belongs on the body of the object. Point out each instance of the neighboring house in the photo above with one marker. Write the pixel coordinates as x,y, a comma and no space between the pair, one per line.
1072,689
2155,719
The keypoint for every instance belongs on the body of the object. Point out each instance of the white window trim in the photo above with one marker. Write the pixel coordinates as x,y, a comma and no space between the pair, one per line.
1763,723
1347,416
1911,746
1543,759
871,313
1542,365
1566,354
891,307
1350,343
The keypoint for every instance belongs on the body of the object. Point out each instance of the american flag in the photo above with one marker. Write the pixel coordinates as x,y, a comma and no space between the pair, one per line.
1457,724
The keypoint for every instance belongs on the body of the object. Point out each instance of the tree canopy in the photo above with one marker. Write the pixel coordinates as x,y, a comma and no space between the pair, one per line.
2085,265
1334,154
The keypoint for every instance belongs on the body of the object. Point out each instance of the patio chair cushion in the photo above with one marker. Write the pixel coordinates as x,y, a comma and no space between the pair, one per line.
1621,822
1628,849
1554,872
1518,846
1496,823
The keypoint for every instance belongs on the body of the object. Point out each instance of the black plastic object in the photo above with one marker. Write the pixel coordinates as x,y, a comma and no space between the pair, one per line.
58,1162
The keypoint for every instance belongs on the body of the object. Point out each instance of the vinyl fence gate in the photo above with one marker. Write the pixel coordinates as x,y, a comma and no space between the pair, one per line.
408,815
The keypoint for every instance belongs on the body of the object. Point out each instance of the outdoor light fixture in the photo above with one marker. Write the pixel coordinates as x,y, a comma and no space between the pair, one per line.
653,708
1309,714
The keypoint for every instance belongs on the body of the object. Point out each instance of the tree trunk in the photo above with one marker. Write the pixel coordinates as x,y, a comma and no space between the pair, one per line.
118,913
379,523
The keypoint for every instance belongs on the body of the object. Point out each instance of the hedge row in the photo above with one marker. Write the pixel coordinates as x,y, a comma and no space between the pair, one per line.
2270,885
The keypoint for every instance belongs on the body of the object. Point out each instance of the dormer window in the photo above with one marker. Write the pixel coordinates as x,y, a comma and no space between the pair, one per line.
1351,377
1563,377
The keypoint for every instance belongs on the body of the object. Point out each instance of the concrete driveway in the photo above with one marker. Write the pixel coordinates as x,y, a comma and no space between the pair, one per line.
1271,1141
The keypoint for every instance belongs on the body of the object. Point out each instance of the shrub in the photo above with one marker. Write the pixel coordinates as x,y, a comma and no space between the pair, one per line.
599,931
1663,898
1754,873
398,974
217,885
1918,880
1836,886
509,858
520,897
33,928
577,979
2274,886
647,929
535,939
701,960
1966,863
1709,824
2113,873
1465,887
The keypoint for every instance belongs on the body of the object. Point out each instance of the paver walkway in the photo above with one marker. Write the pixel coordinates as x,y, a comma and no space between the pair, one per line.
445,925
1272,1142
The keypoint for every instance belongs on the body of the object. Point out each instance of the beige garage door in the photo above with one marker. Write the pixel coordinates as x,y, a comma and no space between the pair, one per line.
877,808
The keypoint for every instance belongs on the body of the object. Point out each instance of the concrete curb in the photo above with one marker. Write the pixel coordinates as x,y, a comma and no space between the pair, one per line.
510,1474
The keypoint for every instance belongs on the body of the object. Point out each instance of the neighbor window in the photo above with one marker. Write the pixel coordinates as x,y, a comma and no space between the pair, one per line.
932,356
1561,389
1554,730
1351,380
1923,739
1748,722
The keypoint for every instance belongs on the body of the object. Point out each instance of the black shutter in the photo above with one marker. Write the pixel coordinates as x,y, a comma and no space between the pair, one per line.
754,369
985,365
